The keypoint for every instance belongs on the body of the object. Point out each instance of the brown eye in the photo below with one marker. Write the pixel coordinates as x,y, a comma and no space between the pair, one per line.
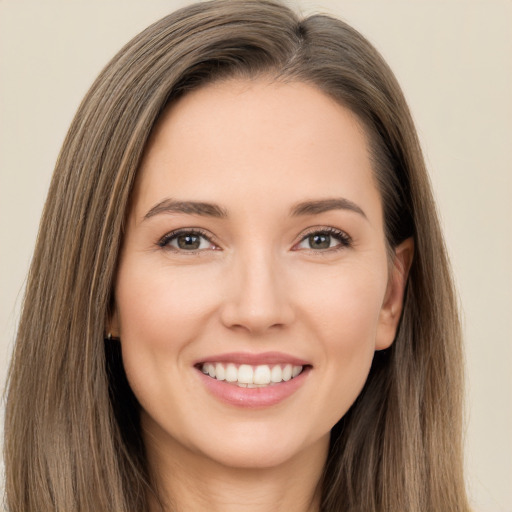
187,241
319,241
324,240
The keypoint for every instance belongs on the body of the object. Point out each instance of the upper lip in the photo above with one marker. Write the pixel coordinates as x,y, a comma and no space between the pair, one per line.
254,359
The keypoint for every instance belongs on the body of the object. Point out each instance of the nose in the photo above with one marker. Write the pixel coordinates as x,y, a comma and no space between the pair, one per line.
257,296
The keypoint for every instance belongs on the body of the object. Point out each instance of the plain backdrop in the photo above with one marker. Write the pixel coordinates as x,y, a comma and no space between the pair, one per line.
453,59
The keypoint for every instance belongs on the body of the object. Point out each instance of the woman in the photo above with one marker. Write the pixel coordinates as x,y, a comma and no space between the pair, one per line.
240,296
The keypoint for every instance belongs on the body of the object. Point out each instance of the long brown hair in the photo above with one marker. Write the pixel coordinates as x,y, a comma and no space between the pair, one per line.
72,438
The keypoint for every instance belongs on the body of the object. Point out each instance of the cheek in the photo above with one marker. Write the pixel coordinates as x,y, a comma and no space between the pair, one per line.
157,304
159,313
344,317
344,304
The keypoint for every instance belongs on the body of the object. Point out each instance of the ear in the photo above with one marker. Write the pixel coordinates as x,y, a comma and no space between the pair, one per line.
394,297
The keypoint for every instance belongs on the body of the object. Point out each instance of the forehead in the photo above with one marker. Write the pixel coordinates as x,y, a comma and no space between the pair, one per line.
256,140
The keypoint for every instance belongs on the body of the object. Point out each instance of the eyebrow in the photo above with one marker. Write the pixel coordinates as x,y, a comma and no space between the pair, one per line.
187,207
325,205
314,207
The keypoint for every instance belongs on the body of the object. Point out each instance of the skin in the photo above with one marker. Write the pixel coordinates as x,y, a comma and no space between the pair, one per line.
256,284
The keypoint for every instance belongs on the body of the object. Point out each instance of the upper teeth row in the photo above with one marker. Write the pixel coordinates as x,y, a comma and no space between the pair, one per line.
246,374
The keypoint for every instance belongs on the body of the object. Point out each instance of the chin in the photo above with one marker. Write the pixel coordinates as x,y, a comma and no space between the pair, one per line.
260,446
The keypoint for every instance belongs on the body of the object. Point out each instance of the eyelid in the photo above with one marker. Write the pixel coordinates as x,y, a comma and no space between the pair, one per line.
344,238
164,242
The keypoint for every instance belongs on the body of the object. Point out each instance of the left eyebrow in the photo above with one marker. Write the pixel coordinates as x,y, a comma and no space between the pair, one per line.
325,205
186,207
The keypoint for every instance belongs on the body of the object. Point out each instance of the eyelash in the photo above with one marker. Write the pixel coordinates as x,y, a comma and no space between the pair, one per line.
344,239
169,237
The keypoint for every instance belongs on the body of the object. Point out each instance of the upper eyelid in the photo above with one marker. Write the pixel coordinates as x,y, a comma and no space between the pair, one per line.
320,229
197,231
324,229
213,239
344,238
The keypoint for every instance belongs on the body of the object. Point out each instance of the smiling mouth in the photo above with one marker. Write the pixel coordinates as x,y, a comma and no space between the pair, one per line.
249,376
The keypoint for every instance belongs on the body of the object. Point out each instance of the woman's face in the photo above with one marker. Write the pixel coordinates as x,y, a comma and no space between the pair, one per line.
254,283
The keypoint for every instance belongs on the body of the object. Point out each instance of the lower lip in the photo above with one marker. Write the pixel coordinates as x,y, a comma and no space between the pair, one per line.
253,398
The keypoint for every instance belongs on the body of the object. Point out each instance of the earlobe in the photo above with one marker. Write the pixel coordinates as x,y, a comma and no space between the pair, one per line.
392,306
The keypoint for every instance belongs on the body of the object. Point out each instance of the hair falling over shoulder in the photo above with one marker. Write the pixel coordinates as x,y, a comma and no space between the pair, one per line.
72,437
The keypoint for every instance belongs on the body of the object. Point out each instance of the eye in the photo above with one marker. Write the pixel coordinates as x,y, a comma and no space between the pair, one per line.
187,240
324,239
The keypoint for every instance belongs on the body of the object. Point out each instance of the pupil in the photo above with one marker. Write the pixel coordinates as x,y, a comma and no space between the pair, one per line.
320,241
189,242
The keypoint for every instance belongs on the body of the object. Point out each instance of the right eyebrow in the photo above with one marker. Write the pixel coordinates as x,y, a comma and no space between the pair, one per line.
316,207
187,207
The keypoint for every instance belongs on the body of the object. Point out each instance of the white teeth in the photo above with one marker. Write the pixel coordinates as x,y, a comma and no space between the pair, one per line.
246,375
220,373
262,374
276,374
231,373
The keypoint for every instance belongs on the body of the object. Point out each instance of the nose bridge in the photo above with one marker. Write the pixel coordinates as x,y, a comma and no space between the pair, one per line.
257,296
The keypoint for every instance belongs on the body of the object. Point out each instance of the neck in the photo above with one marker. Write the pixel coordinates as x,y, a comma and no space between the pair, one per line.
188,481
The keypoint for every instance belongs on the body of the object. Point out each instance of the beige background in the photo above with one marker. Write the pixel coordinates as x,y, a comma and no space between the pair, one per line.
453,59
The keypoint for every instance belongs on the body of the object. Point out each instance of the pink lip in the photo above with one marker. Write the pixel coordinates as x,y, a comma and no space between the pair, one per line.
254,359
252,398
